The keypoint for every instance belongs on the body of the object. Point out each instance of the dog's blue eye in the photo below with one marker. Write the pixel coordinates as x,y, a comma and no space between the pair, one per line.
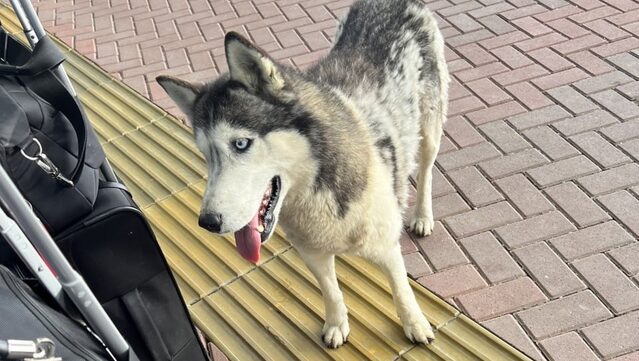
242,144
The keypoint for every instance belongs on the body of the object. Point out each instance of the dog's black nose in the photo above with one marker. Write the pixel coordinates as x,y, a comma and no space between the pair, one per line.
211,222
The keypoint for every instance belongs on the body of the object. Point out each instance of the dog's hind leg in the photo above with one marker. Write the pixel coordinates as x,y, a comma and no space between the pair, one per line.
422,222
416,327
335,331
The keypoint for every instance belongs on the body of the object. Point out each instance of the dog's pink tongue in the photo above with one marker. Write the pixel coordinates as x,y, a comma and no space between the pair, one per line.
248,241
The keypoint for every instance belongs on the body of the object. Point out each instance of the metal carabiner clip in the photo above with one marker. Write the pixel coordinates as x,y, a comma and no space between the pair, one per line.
42,161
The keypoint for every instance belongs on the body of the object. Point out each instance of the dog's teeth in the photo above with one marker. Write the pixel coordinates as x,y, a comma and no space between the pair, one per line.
260,228
262,211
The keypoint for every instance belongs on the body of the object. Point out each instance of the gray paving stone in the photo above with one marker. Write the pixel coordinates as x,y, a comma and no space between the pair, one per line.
616,336
563,315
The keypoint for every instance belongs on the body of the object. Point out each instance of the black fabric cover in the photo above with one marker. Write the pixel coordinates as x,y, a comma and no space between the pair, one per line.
70,143
116,252
25,317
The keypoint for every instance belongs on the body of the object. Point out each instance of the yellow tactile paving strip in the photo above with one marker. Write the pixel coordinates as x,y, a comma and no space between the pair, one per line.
273,311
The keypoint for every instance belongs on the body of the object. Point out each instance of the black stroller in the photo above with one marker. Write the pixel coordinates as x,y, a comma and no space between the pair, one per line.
97,286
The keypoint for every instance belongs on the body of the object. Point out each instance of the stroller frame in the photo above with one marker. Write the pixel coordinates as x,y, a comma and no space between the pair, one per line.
27,236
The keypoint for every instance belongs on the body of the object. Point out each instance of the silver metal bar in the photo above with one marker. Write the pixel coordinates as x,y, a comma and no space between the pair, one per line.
25,250
73,284
33,29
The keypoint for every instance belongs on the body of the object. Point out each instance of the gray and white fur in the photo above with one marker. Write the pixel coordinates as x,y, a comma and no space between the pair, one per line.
343,135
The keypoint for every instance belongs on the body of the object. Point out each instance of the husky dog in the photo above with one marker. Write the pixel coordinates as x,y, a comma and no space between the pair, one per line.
327,151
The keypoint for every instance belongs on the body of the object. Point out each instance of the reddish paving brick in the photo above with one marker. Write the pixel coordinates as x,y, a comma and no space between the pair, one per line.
616,336
462,132
625,207
491,257
537,228
524,195
568,28
513,163
624,18
529,95
448,205
475,54
561,78
500,299
551,143
441,186
460,8
488,91
617,47
568,347
551,60
481,72
406,243
532,26
561,12
464,22
482,219
627,257
453,281
440,249
503,40
507,328
457,91
511,57
562,170
611,179
577,205
606,29
548,270
495,112
563,315
474,186
464,105
458,65
491,9
616,289
468,38
543,41
598,13
520,74
578,44
447,145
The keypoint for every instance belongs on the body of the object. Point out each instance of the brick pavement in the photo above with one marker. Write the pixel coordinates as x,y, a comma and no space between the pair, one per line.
537,184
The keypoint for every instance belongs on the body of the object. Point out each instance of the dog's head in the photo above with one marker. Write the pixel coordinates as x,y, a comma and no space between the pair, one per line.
242,123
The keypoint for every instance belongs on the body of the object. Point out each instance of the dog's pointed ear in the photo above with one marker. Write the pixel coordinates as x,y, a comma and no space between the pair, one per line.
183,94
251,66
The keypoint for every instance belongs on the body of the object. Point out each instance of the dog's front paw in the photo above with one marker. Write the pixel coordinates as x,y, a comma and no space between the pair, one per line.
419,330
335,336
421,226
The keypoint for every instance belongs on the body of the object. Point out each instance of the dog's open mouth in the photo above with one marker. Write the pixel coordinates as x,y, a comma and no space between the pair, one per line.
249,239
